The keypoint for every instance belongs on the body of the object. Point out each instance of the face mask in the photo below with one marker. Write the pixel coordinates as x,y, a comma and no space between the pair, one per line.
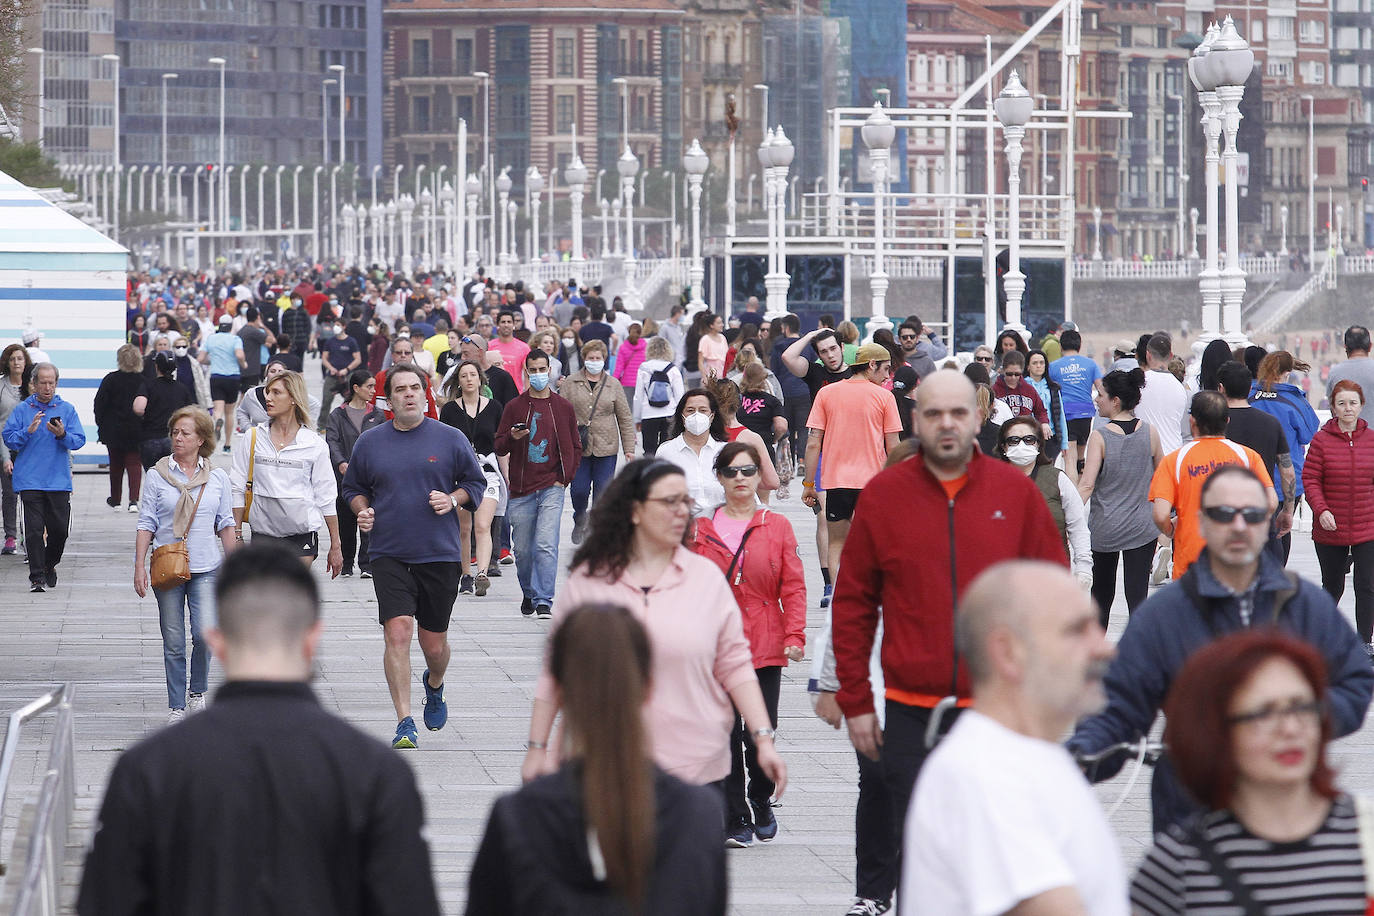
327,331
569,341
1022,454
697,424
539,380
181,351
595,365
404,335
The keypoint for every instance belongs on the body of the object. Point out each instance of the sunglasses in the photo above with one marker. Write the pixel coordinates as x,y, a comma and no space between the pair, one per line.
1006,374
982,359
737,470
1021,440
907,336
1225,515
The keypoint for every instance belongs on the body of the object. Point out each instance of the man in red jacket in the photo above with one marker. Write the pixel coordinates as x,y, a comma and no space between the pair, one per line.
979,511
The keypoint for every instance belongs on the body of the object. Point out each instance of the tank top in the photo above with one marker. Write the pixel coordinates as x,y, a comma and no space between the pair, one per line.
1119,512
732,433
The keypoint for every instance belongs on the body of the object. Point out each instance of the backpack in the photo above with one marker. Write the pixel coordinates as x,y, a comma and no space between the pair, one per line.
660,388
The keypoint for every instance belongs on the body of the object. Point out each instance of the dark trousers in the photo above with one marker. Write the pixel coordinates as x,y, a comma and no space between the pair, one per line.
654,432
745,756
1333,558
876,849
796,408
591,480
349,539
904,753
9,505
1135,578
151,451
47,522
122,460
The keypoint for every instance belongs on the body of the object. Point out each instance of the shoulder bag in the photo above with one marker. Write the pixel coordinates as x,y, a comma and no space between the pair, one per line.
248,485
584,430
171,564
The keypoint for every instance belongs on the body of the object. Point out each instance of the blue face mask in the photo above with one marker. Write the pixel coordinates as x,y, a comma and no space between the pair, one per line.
539,380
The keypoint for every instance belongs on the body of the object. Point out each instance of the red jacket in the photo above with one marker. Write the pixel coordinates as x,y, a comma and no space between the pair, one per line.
564,427
1338,477
769,583
911,550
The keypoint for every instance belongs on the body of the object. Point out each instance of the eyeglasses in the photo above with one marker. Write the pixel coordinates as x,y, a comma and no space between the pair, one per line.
672,502
982,359
1021,440
1225,515
906,336
737,470
1006,374
1267,718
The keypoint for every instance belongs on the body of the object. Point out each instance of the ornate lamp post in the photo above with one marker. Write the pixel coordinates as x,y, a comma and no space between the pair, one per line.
1209,281
534,186
695,162
1014,107
512,208
1192,233
605,230
450,255
473,186
766,192
776,282
344,252
1097,233
1229,63
503,185
616,206
1283,230
426,215
878,134
406,206
576,177
628,166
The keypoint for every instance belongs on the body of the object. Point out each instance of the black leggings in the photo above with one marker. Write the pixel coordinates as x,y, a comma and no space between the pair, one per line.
1332,559
744,755
1135,578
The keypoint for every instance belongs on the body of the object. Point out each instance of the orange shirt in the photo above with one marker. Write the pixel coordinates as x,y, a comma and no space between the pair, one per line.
855,415
1179,479
952,487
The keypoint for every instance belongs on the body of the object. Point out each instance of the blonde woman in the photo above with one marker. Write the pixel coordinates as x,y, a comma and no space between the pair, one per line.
293,490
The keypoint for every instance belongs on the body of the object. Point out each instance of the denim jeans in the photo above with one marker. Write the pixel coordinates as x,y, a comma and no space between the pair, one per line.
199,596
535,519
591,473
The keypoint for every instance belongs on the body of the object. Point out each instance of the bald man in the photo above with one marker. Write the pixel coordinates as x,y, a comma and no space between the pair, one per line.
977,511
1030,836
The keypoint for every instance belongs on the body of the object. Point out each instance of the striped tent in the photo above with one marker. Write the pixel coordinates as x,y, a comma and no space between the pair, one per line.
68,281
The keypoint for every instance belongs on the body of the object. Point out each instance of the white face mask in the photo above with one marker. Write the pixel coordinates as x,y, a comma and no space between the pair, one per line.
697,423
181,351
569,341
595,365
1022,454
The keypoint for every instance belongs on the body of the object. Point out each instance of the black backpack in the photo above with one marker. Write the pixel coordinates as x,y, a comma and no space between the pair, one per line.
660,388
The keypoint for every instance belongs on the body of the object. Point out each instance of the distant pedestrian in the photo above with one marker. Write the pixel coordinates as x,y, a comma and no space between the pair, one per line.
119,427
346,423
15,368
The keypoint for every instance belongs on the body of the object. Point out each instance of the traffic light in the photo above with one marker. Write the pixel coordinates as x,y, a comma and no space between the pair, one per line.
1364,185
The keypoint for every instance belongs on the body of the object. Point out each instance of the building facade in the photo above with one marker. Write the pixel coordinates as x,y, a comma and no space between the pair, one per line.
72,81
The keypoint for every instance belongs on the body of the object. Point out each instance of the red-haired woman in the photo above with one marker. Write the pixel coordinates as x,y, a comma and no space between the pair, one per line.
1338,481
1247,732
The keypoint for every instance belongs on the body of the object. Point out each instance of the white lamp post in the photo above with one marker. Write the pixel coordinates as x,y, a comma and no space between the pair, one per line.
223,197
473,186
628,166
1097,233
1192,233
576,177
315,207
1311,182
389,232
406,206
39,53
343,110
695,162
1283,230
1209,280
778,282
765,154
450,251
324,119
333,210
295,208
426,211
534,186
616,206
114,58
605,230
344,247
1340,230
1229,63
165,78
878,134
512,209
503,185
1014,107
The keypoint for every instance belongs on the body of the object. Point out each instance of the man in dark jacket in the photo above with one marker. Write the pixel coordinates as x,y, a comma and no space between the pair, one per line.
1234,584
264,803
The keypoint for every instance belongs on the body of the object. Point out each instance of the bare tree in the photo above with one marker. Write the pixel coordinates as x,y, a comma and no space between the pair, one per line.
17,17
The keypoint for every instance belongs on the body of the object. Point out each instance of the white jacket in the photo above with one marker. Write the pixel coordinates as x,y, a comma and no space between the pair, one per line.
293,489
643,410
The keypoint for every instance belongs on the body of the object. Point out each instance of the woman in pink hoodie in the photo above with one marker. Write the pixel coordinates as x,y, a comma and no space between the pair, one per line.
628,357
703,669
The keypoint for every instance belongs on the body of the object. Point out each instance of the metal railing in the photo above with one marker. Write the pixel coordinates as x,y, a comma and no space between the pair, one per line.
1322,278
47,837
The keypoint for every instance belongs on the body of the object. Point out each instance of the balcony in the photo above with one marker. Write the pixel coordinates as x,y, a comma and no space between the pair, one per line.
416,127
434,69
724,73
636,68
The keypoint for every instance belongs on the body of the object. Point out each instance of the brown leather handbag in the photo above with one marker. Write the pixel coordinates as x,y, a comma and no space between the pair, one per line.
171,564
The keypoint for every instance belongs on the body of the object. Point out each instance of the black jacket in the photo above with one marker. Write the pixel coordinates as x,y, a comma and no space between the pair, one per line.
534,860
118,426
341,435
262,804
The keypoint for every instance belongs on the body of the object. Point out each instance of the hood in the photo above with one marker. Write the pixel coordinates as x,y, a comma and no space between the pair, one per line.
1333,427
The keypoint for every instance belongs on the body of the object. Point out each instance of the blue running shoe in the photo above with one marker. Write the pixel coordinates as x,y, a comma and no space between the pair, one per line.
436,710
406,735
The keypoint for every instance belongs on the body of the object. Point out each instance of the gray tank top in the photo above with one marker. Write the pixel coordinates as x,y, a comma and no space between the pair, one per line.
1119,515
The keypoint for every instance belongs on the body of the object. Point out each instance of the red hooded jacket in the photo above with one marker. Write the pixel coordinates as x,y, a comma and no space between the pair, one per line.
1338,477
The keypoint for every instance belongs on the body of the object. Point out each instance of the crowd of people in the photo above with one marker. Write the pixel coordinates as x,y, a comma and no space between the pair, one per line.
466,414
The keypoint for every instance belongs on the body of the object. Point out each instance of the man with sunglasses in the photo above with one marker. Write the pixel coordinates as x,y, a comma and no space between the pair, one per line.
1234,584
909,336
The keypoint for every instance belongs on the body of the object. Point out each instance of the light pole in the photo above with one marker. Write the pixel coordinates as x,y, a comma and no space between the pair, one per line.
1283,230
512,208
407,209
324,119
375,169
41,74
333,210
276,197
503,185
777,281
474,189
628,167
878,134
1209,280
223,195
426,209
488,165
534,185
343,110
165,78
1229,63
1097,233
114,58
1340,230
605,230
1192,233
1014,108
295,208
450,259
575,175
1311,182
616,206
765,154
695,162
1182,177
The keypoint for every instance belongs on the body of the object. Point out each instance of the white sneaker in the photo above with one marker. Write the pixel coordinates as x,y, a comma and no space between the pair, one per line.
1163,566
133,507
195,703
175,715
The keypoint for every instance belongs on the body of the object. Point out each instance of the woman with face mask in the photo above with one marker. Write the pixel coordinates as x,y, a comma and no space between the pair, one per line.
606,425
698,432
570,349
190,374
1020,443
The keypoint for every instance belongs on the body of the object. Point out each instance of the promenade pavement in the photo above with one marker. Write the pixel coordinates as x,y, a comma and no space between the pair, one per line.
94,632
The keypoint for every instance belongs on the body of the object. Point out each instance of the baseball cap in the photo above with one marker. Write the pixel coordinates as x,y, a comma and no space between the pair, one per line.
1124,347
226,319
31,336
1068,326
871,352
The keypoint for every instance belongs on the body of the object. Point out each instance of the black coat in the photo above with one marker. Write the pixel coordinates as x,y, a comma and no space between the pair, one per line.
116,423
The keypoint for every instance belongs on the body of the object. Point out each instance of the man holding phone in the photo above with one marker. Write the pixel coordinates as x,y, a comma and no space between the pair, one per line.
42,432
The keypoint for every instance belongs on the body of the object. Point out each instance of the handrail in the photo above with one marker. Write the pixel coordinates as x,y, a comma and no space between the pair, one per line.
38,891
18,718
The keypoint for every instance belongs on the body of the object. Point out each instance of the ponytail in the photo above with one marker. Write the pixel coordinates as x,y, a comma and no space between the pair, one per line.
599,657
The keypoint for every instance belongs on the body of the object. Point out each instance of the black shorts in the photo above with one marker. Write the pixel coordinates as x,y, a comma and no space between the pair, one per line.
224,388
298,545
425,591
1080,430
249,381
839,504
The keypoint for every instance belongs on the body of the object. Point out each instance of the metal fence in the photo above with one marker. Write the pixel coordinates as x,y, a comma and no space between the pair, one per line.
45,839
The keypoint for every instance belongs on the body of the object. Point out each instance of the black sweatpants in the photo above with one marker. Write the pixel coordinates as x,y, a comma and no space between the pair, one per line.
744,754
47,522
795,409
876,849
904,752
1332,559
1135,576
349,537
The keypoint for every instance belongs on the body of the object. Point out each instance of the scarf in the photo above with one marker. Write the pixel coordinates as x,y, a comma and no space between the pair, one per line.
186,506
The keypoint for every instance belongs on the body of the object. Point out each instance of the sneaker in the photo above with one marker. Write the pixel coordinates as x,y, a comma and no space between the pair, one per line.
465,585
825,596
867,906
494,571
365,574
1163,566
112,502
346,574
10,547
406,735
579,530
195,702
765,824
481,583
739,835
52,578
436,710
133,507
543,611
507,558
175,715
226,448
526,607
36,586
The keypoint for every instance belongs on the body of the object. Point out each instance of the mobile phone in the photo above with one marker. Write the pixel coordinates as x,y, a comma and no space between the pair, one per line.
518,426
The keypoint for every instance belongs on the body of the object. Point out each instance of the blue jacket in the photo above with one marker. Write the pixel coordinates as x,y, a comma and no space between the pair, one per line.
43,461
1287,404
1164,631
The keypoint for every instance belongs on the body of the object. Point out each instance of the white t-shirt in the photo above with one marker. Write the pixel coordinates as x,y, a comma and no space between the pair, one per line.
1164,405
997,818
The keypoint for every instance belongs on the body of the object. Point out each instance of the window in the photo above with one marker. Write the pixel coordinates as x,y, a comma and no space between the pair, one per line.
1312,31
463,108
565,57
1125,36
564,114
1257,30
419,108
1279,69
1314,73
419,56
462,57
1326,160
1281,29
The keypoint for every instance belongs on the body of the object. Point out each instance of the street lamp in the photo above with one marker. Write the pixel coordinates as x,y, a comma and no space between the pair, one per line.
324,119
775,156
503,185
694,162
1229,63
473,186
1097,233
512,208
605,231
488,164
878,134
534,186
41,74
1182,177
1209,280
1283,230
165,78
1311,182
222,197
575,175
343,109
406,206
114,58
1014,107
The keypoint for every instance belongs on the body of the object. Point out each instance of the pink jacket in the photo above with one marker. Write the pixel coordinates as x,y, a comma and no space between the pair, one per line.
628,356
699,656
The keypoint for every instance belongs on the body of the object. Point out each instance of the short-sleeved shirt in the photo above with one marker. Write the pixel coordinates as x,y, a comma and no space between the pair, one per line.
817,377
757,410
165,397
855,415
223,348
340,351
1179,479
513,355
254,342
998,818
1075,375
1164,405
1258,430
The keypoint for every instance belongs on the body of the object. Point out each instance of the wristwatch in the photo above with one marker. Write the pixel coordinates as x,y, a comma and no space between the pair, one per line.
765,733
454,500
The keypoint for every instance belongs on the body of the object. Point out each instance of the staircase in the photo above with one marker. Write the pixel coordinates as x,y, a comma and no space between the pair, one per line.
1279,309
